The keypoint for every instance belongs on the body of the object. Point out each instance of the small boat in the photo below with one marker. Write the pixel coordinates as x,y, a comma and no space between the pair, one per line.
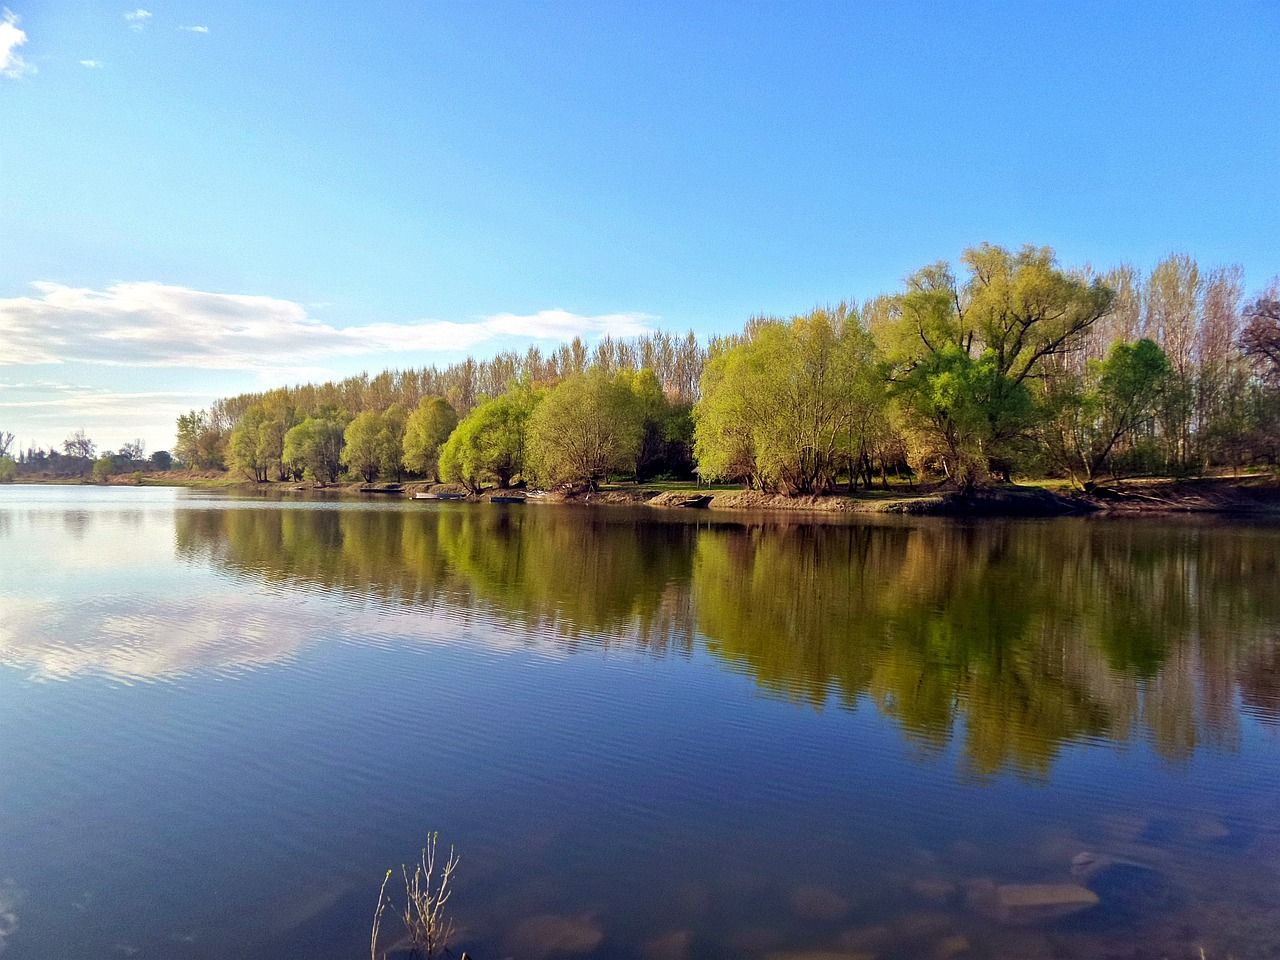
448,495
696,503
506,498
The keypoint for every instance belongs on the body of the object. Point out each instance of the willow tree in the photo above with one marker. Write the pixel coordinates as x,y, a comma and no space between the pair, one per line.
489,444
961,354
425,432
586,427
372,443
791,404
314,448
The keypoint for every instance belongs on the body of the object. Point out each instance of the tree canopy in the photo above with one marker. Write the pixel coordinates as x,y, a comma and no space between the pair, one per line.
425,432
489,445
791,404
586,427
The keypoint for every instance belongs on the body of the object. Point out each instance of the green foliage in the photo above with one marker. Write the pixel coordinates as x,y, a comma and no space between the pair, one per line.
161,460
8,469
103,469
256,445
588,426
790,406
425,432
1087,416
200,441
314,447
489,444
960,354
964,373
960,413
372,444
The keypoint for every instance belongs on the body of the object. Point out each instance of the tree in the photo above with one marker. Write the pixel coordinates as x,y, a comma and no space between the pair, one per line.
585,427
6,443
200,441
255,444
392,441
103,468
8,468
366,445
314,447
1260,339
960,413
490,441
426,431
666,443
161,460
791,405
134,450
1116,397
79,445
960,354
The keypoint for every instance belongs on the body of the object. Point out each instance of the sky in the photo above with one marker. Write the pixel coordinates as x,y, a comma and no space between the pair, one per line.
201,198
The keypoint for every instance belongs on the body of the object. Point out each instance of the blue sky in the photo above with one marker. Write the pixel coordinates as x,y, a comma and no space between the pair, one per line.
314,189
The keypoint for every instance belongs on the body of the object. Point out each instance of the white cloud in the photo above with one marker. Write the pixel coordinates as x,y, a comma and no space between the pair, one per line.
199,28
137,19
91,64
11,38
148,324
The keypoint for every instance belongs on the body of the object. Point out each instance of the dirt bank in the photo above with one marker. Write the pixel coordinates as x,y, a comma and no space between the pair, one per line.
1225,495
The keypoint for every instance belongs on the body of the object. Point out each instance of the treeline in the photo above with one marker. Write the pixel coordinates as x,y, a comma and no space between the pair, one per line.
1011,365
79,457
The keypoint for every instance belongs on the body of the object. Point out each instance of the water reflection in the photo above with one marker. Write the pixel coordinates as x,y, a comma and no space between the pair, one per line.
651,735
1018,638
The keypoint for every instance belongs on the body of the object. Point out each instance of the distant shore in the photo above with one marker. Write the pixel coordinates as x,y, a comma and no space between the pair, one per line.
1242,495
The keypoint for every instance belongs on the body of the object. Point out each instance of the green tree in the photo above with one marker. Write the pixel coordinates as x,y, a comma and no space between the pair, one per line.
1116,397
8,468
959,413
490,442
161,460
791,405
103,468
256,445
585,427
364,445
201,441
315,447
960,353
391,442
426,431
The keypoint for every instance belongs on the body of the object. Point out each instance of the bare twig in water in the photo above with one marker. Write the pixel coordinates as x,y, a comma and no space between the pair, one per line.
426,892
377,918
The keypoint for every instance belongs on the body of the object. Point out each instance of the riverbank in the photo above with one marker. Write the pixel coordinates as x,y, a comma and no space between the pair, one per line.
1238,495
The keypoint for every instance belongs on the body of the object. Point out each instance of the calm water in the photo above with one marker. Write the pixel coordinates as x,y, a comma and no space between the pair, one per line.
650,736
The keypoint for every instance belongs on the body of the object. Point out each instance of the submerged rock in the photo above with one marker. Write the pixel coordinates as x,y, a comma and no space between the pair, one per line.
934,889
670,946
818,903
953,946
1035,902
548,935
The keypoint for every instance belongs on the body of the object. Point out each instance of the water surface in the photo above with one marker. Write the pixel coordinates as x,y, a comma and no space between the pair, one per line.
650,735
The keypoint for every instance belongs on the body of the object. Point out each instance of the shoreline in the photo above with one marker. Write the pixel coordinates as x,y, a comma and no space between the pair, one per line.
1253,495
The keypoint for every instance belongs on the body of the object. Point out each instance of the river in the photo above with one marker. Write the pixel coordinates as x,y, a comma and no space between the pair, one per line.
650,735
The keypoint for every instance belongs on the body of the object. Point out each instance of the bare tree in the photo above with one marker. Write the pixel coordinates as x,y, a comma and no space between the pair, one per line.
79,445
1260,339
6,442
